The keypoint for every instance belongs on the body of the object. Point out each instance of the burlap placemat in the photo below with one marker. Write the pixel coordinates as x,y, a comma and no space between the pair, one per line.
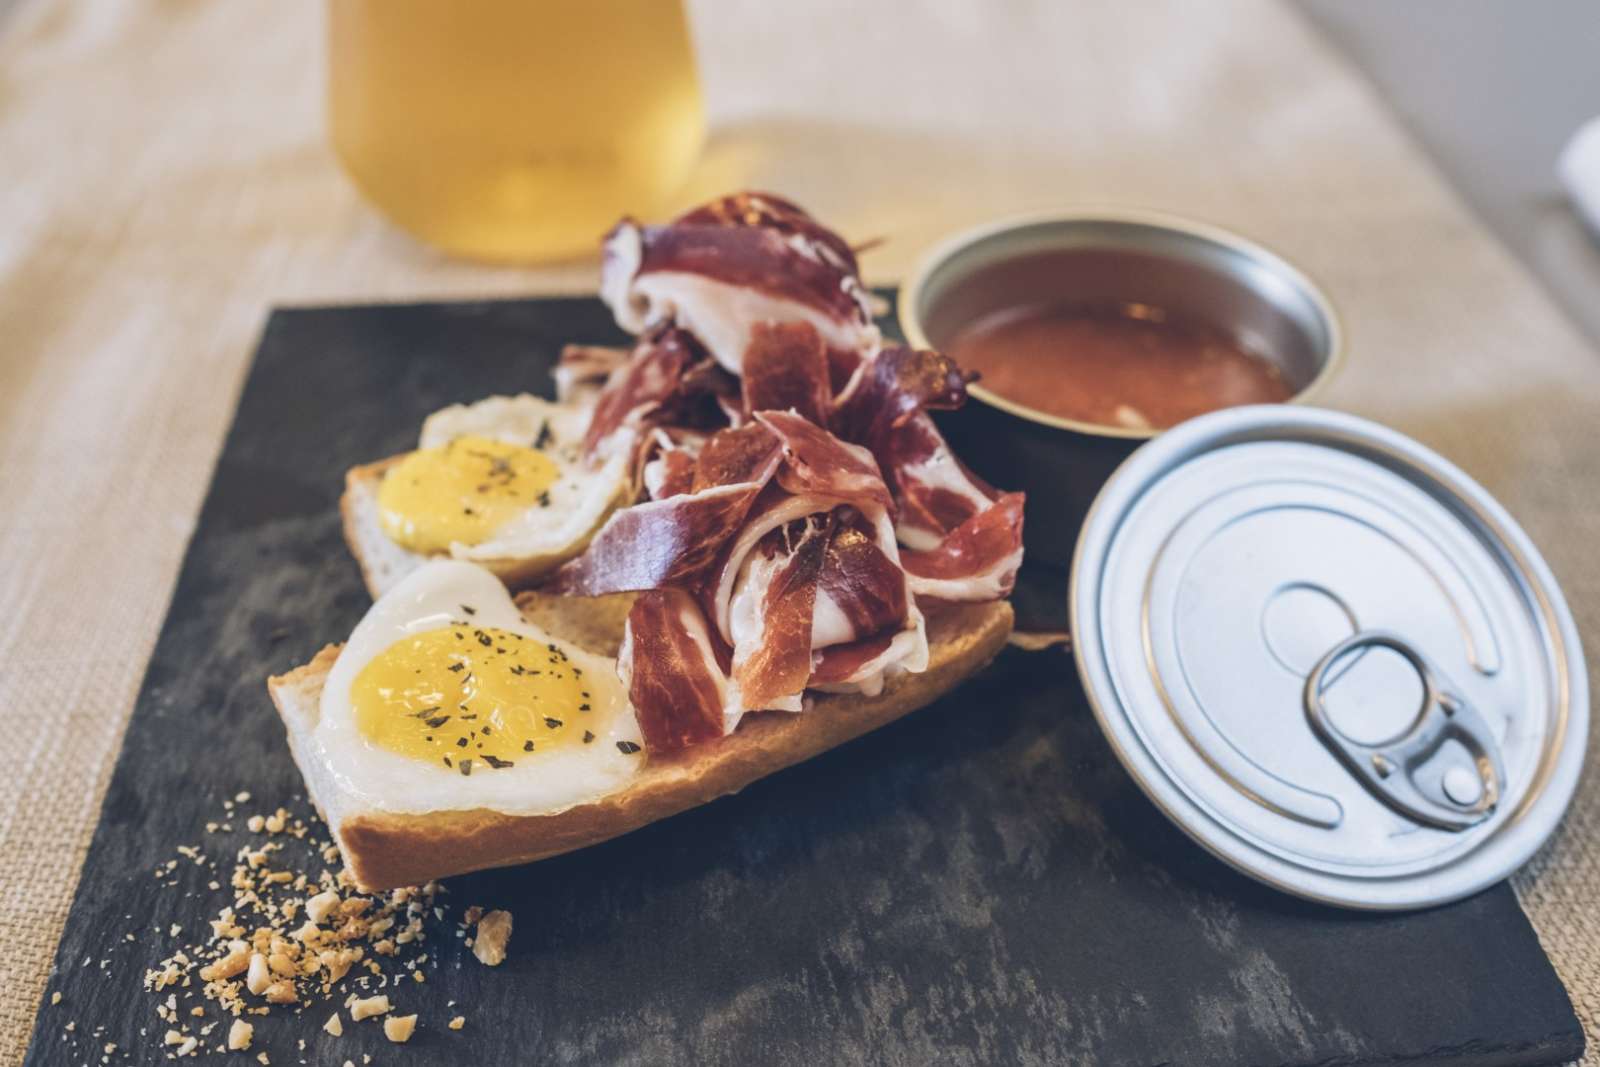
166,182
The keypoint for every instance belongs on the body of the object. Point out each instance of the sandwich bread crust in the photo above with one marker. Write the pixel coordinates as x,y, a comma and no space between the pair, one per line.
385,850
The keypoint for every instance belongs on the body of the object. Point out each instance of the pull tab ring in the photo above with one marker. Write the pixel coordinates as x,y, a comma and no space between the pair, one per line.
1455,800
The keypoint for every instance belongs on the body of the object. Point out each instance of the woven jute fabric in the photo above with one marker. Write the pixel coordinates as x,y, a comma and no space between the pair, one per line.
166,181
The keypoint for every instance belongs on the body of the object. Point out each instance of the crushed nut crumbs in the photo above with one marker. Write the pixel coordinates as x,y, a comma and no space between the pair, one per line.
399,1028
297,932
494,931
366,1007
239,1035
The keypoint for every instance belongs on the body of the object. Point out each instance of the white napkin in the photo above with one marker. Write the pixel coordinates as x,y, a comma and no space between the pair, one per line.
1579,169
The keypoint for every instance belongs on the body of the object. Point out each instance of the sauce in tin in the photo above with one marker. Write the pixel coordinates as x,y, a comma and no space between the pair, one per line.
1129,365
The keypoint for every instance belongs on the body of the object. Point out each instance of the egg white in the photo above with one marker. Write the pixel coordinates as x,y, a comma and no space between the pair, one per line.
583,494
366,777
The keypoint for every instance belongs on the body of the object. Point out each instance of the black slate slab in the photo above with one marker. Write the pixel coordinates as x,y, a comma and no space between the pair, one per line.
978,883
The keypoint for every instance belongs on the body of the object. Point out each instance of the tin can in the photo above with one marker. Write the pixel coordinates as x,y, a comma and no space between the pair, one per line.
1199,271
1329,656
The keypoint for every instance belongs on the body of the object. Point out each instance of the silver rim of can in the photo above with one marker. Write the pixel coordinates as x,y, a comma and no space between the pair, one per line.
1509,832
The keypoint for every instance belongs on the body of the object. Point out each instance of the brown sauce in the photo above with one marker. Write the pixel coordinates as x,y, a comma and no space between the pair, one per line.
1125,365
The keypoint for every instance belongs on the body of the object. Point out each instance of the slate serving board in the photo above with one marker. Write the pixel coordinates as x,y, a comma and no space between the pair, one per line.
978,883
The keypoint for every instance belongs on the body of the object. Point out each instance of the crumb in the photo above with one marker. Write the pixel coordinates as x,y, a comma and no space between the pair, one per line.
369,1006
494,931
257,977
55,998
241,798
458,1022
237,959
255,824
319,906
281,992
296,934
239,1035
262,1059
398,1028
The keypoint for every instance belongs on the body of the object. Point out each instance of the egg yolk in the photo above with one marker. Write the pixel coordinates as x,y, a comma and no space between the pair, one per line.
471,698
461,492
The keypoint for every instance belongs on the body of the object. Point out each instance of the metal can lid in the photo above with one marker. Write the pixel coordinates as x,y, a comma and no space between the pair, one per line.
1330,656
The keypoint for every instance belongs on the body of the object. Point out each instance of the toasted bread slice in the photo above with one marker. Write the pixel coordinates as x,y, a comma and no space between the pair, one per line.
383,563
384,850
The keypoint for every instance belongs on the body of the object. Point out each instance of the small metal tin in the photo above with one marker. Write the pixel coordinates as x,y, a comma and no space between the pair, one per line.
1330,657
1202,272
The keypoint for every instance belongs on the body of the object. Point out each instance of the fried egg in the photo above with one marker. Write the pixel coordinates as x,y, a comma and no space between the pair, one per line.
502,479
446,699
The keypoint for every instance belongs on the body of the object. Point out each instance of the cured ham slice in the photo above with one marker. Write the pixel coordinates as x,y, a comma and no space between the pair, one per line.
657,543
772,657
977,560
665,381
818,463
670,667
858,587
745,454
668,464
721,269
850,597
640,385
964,538
885,408
786,369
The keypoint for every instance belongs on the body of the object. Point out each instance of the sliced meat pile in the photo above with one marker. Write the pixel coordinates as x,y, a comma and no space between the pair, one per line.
772,568
801,510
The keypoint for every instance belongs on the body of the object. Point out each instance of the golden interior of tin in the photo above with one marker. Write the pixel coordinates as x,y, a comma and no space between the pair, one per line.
1268,308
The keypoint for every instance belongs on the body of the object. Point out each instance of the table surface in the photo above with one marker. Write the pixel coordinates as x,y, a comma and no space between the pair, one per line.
1493,91
158,202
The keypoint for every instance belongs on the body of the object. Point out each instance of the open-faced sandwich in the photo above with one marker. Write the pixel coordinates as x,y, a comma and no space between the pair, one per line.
740,542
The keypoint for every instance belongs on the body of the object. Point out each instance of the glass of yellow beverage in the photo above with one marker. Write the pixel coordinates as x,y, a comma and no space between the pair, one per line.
513,130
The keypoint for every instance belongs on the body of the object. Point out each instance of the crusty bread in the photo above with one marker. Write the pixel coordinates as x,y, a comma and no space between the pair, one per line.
383,563
384,850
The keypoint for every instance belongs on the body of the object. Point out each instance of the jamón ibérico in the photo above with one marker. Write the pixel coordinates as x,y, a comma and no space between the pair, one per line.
802,509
